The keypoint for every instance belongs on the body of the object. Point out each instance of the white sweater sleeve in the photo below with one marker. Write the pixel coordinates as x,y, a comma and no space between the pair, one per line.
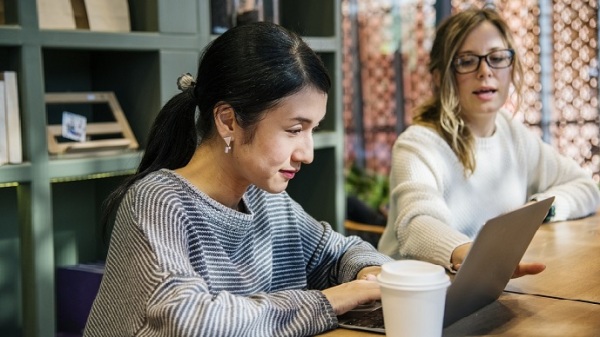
552,174
419,220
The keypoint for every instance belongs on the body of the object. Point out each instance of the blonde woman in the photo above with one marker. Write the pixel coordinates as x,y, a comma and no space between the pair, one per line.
465,159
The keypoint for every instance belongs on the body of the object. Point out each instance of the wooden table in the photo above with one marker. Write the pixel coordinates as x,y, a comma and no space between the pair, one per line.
571,252
564,300
518,315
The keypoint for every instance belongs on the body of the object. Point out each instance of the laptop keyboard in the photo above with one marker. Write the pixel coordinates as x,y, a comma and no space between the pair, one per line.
370,319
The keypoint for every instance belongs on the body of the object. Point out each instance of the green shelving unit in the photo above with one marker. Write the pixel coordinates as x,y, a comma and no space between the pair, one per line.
50,205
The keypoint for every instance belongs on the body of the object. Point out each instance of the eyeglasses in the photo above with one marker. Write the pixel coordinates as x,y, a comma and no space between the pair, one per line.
498,59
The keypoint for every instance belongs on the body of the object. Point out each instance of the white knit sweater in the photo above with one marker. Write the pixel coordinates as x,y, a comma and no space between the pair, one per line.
434,208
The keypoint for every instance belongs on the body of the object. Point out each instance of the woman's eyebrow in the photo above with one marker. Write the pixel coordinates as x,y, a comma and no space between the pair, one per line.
471,52
305,120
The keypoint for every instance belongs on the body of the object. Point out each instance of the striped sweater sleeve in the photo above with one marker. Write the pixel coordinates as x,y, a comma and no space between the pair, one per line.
332,258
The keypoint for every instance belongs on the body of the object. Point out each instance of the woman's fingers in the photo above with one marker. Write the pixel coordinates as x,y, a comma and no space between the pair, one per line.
528,269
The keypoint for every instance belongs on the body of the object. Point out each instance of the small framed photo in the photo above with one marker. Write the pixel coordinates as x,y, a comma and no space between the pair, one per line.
73,126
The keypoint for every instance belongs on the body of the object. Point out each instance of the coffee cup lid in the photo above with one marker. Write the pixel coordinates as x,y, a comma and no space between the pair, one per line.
412,273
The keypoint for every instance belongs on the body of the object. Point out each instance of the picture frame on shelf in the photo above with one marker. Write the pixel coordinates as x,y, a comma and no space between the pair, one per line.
111,131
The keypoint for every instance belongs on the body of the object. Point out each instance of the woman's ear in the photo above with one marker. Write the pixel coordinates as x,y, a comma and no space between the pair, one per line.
224,116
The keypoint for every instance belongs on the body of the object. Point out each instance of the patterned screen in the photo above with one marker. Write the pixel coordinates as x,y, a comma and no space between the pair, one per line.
575,115
386,46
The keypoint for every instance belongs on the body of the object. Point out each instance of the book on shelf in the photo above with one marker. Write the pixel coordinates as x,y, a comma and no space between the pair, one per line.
96,15
108,15
55,14
13,117
3,136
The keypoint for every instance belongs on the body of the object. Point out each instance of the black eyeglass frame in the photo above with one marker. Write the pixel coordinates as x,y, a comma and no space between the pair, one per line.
485,57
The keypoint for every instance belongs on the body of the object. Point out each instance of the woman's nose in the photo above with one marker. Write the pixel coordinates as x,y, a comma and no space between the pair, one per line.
484,69
305,151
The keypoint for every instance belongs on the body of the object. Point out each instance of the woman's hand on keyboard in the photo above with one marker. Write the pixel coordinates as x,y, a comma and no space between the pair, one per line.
347,296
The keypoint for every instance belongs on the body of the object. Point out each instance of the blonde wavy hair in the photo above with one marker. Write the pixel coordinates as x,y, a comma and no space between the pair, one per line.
442,111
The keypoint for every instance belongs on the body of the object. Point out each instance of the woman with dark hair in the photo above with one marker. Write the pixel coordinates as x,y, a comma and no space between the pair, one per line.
206,242
465,159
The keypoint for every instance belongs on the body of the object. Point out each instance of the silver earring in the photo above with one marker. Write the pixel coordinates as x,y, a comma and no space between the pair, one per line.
228,142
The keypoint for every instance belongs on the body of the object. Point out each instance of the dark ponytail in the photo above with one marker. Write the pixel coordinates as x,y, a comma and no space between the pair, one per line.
172,141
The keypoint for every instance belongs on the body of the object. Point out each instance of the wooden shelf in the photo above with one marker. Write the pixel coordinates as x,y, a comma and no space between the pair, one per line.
84,166
20,173
116,41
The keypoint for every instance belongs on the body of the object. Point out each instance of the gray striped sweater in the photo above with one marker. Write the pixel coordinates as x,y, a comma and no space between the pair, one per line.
182,264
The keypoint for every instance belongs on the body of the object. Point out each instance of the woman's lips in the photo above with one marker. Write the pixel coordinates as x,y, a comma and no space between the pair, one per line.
288,174
485,94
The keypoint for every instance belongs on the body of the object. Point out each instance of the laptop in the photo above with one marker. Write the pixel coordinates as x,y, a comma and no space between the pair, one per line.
494,255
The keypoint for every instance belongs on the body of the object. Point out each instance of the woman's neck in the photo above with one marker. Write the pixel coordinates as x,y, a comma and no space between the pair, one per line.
482,127
209,171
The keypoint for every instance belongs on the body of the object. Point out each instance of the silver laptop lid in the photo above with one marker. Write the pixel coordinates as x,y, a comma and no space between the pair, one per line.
492,259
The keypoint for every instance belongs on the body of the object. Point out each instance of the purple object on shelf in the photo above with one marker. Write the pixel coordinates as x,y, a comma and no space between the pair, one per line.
76,289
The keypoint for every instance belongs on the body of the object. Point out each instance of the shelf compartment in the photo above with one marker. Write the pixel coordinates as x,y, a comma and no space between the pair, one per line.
10,57
321,172
78,234
331,117
10,264
132,75
9,13
309,17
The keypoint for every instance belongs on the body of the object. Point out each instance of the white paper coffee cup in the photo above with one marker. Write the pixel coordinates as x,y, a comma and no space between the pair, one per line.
413,295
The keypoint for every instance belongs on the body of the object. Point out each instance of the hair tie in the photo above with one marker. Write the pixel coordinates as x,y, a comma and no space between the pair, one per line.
185,81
